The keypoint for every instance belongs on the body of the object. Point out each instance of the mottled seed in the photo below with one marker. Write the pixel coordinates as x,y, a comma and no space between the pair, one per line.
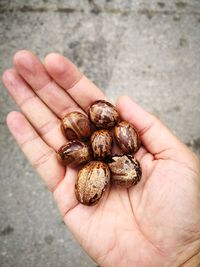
76,125
103,114
101,142
125,170
91,182
74,153
127,137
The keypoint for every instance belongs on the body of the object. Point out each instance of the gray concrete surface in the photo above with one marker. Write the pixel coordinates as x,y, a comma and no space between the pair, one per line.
149,50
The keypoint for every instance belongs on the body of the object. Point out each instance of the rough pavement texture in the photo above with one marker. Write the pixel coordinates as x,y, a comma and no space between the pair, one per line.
147,49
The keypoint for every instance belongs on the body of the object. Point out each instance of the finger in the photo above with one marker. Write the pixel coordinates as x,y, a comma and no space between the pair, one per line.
43,120
41,156
140,153
67,75
65,194
155,136
34,73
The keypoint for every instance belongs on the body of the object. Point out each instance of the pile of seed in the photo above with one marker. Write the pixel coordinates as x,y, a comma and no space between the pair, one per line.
90,140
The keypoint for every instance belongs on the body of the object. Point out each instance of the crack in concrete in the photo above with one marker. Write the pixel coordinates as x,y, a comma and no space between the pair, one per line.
142,11
40,9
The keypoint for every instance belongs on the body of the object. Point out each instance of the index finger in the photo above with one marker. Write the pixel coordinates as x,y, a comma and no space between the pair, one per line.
67,75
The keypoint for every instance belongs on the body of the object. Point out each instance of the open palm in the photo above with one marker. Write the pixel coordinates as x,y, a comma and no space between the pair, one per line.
155,223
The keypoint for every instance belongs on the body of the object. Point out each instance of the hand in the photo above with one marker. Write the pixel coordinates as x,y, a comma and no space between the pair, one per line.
155,223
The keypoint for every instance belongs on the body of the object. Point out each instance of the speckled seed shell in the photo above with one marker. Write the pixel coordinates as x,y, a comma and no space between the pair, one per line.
103,114
92,182
74,153
101,142
127,137
76,125
125,170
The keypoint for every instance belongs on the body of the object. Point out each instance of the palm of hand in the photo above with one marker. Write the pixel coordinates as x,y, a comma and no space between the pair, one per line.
155,223
145,225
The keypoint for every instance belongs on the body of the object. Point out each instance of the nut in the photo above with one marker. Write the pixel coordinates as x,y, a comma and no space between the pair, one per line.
101,142
103,114
125,170
74,153
127,137
91,182
76,125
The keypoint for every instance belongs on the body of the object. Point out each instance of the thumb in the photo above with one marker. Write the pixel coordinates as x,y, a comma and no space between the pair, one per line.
155,136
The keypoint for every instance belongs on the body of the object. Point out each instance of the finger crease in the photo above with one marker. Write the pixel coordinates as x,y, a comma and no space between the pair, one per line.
147,128
43,158
48,127
75,83
44,86
28,140
26,100
53,188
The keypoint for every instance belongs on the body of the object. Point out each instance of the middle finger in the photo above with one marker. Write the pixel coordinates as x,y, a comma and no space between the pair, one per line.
34,73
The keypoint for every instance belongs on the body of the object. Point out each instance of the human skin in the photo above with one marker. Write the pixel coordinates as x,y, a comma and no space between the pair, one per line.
153,224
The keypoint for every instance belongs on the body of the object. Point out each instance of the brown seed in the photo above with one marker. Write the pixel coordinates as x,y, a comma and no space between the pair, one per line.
76,125
74,153
92,182
103,114
127,137
125,170
101,142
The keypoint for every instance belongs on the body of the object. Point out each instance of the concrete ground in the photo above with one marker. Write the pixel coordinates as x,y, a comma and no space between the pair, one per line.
149,50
